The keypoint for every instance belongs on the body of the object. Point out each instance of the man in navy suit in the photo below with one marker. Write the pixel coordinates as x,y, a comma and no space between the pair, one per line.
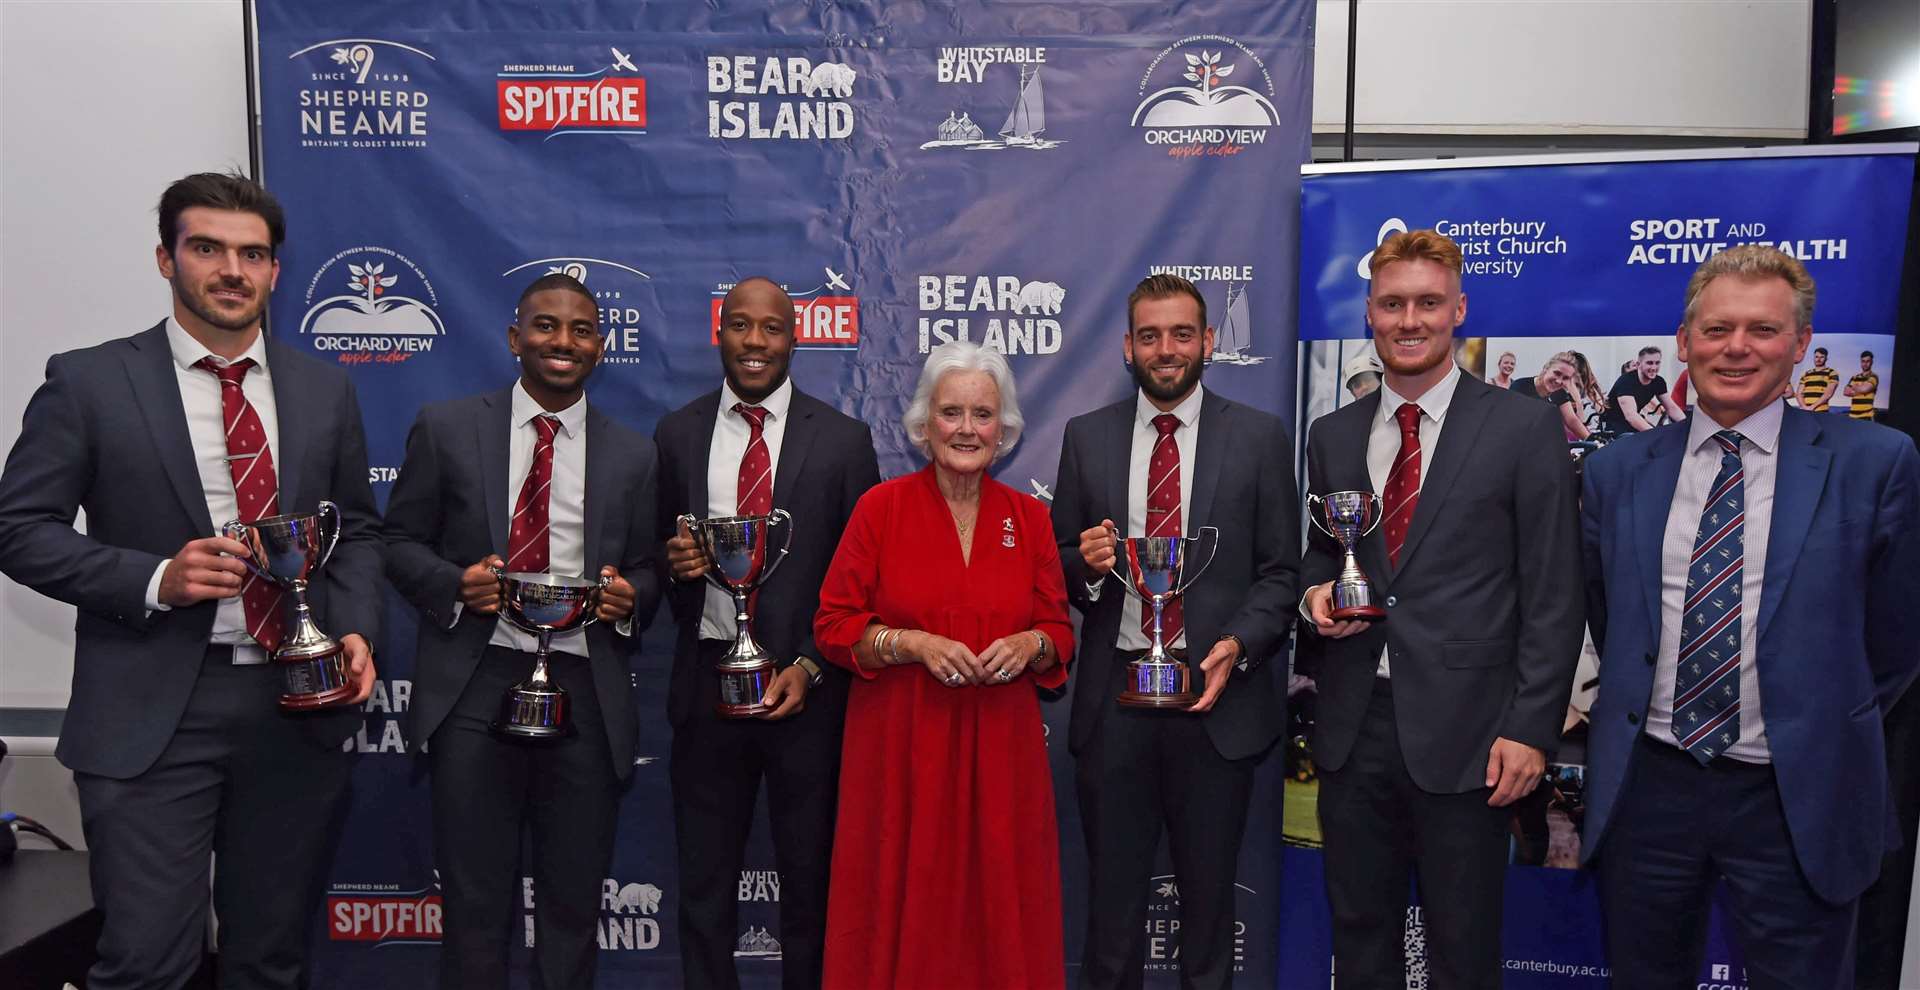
177,744
1752,574
527,478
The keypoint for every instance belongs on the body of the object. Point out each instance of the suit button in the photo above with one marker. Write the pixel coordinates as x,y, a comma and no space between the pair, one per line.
1392,601
1633,719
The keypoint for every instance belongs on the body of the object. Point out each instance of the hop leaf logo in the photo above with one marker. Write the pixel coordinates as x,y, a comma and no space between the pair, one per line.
370,280
342,56
1205,69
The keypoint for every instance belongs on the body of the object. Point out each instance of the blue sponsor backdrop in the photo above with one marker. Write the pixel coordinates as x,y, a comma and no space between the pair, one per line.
912,173
1592,256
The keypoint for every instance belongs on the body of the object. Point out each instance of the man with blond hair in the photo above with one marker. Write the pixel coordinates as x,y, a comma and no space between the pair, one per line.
1432,723
1737,734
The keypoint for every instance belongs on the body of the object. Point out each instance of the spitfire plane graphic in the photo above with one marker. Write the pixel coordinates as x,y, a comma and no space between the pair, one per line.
835,280
621,61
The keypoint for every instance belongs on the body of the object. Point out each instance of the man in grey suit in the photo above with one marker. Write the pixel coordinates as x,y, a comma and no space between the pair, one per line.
528,478
1169,460
1434,720
179,749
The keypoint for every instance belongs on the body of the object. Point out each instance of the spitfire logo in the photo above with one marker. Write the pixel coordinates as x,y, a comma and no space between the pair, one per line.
380,731
998,312
567,99
788,98
362,95
627,912
1231,316
622,292
1188,105
366,311
1163,926
1025,124
827,316
383,913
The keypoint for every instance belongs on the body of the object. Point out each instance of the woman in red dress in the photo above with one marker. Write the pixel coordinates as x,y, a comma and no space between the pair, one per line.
946,599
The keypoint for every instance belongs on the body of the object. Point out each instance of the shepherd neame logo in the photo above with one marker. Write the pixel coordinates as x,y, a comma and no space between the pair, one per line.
362,95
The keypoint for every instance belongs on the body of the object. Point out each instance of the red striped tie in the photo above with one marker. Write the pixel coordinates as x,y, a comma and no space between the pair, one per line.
1163,517
528,541
256,490
1403,482
755,486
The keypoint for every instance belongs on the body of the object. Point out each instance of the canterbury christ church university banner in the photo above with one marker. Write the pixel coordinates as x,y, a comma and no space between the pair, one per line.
911,173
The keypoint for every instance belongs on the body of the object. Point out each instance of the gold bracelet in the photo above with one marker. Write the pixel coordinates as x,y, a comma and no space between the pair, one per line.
878,645
1042,655
893,647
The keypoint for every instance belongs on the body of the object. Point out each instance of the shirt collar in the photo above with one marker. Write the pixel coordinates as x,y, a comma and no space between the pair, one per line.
573,419
188,352
1433,404
776,404
1187,412
1762,429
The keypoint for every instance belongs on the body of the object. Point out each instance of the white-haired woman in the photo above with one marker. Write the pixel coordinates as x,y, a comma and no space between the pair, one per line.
946,599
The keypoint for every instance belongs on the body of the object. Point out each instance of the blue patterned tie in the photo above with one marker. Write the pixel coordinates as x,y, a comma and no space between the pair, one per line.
1706,683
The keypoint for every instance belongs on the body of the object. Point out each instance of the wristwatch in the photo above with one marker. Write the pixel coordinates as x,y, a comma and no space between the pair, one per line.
814,674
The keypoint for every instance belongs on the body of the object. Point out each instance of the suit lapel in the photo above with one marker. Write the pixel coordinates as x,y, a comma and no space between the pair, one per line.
1465,414
1800,476
700,448
1119,457
150,369
492,432
795,441
1651,500
597,506
1216,423
291,399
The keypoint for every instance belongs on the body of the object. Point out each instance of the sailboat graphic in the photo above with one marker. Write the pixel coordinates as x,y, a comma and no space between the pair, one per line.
1235,330
1023,127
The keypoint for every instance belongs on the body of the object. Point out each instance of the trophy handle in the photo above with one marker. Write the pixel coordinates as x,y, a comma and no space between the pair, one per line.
240,532
1313,516
700,540
1379,515
784,520
1121,549
1189,575
593,602
331,534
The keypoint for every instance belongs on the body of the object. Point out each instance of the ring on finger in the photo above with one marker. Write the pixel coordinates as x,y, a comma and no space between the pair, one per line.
954,678
1005,674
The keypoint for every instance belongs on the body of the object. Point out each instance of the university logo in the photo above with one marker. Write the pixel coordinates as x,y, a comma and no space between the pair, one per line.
1394,225
362,95
1025,123
1005,313
1231,314
623,293
380,731
1195,98
566,99
776,97
363,306
383,913
827,316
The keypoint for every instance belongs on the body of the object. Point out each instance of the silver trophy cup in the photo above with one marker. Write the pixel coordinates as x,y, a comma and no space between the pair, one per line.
286,550
1348,517
542,604
737,563
1156,573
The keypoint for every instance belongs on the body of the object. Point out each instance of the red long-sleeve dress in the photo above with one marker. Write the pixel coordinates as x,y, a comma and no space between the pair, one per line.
946,858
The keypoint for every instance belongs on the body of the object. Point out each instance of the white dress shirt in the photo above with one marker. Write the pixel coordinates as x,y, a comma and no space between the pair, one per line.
207,430
1186,437
566,507
731,434
1759,462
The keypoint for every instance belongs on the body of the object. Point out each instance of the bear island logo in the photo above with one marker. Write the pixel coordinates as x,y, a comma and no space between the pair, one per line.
627,911
1005,313
380,731
366,312
1230,313
384,913
778,97
1188,106
826,317
567,99
362,95
1025,124
622,292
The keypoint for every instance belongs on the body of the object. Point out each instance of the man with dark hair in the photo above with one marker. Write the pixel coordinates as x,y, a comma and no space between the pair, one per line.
755,445
545,483
1169,461
179,749
1432,724
1862,388
1751,575
1637,394
1817,384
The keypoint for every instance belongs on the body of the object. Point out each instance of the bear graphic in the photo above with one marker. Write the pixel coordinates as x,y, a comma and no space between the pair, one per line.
641,897
1040,297
829,78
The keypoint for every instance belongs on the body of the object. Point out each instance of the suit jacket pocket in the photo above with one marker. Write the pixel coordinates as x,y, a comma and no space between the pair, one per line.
1476,653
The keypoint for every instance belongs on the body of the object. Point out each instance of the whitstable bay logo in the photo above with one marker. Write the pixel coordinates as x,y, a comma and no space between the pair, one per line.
362,95
369,311
1025,123
1188,105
